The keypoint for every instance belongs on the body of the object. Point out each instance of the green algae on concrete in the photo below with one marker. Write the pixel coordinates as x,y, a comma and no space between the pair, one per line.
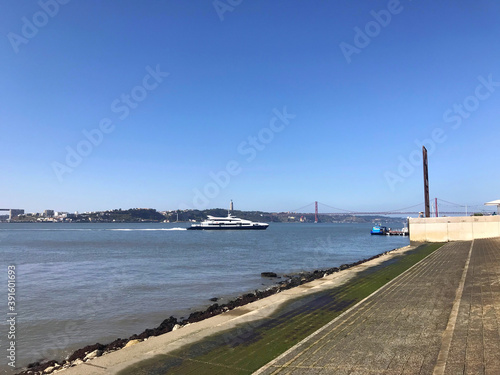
248,347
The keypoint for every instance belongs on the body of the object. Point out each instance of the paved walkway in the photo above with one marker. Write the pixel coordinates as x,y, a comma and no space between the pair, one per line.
440,317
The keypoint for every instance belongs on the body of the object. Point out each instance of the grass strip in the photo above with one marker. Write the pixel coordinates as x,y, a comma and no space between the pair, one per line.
246,348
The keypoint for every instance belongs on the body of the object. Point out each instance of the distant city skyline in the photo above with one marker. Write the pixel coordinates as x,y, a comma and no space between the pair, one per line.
176,105
444,208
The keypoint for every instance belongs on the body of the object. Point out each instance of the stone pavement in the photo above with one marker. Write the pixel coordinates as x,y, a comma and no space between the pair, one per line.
440,317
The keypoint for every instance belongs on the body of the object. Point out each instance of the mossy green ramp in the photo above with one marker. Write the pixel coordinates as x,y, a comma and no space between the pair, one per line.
248,347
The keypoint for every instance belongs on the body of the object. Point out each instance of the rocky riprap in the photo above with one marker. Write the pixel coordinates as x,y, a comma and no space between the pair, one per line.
171,324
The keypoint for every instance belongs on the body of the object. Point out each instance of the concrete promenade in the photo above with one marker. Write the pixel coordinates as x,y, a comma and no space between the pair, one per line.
440,317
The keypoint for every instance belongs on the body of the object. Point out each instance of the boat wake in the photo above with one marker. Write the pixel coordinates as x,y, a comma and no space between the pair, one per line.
93,229
146,229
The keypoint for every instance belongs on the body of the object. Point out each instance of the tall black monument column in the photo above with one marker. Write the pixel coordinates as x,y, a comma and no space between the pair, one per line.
426,182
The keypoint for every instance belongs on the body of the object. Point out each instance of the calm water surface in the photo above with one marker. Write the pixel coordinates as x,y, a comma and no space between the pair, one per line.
78,284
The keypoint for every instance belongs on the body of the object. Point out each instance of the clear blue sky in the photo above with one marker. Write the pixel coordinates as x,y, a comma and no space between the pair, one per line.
362,83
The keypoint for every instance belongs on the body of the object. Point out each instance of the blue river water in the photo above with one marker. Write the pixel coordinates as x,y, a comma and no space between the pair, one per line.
78,284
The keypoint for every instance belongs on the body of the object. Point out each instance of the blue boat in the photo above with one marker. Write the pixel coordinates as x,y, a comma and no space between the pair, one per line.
379,229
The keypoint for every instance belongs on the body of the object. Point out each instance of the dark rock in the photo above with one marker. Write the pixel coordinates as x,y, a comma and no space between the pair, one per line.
81,353
115,345
164,327
268,274
167,324
295,281
214,299
38,367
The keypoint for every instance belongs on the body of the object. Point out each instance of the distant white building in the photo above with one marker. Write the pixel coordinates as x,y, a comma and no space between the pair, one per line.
494,203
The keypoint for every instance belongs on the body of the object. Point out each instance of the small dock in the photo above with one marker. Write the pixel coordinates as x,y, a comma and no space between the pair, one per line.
397,232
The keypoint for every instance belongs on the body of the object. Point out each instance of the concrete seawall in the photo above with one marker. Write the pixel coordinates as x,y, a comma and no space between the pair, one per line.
444,229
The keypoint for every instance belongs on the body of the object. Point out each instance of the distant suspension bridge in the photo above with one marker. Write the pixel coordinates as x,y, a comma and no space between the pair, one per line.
440,207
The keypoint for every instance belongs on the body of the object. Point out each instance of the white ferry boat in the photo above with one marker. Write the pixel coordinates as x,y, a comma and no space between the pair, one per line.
229,222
